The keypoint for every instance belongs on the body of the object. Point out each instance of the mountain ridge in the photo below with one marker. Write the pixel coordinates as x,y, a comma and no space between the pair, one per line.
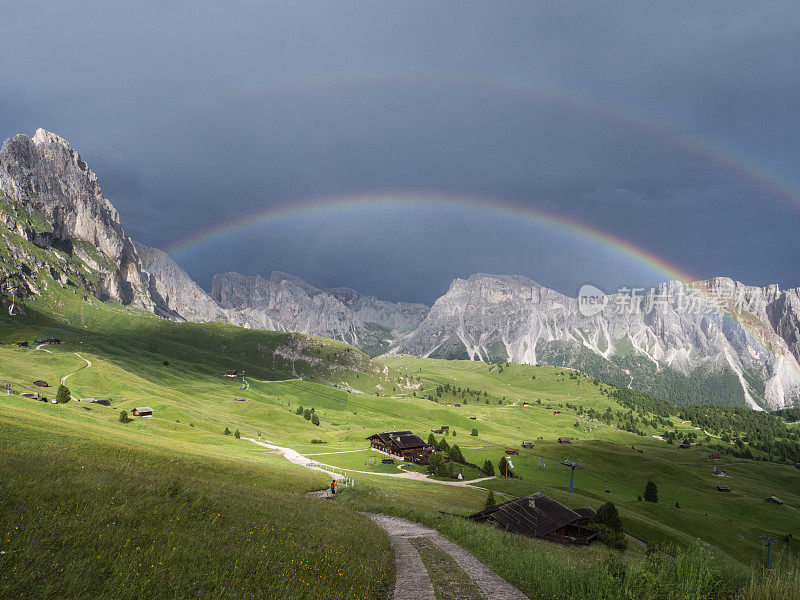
741,347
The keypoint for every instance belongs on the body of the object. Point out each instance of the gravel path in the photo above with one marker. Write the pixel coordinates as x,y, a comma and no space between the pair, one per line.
412,578
65,377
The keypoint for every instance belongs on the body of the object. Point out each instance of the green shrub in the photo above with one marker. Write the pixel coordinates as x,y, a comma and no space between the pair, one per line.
488,468
650,492
316,441
307,415
237,435
227,431
63,394
315,419
299,410
439,466
455,454
474,431
612,538
490,499
123,416
608,515
504,468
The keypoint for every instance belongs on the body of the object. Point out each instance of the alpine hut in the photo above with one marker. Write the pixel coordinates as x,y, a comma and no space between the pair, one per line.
542,517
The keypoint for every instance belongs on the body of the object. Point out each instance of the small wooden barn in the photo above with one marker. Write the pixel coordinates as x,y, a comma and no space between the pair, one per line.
528,445
40,383
774,499
715,456
542,517
142,411
399,443
564,440
723,488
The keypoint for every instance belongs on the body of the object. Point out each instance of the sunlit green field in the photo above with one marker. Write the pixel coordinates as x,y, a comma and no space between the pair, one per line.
176,368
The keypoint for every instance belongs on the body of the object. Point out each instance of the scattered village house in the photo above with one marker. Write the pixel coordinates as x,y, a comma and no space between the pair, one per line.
564,440
723,488
542,517
142,411
399,443
528,445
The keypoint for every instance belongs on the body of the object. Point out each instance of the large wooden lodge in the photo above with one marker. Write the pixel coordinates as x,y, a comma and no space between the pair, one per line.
399,443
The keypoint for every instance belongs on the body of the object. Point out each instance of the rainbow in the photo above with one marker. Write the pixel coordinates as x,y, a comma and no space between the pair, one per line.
490,208
405,200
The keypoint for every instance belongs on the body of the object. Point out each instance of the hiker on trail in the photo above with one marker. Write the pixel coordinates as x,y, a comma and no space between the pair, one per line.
333,488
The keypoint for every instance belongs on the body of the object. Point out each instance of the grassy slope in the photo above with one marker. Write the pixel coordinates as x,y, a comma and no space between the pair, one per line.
683,476
194,404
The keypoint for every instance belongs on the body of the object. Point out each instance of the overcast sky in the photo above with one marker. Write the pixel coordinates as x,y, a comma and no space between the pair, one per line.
671,125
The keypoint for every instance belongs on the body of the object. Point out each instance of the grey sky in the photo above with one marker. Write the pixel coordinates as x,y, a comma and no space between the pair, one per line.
666,124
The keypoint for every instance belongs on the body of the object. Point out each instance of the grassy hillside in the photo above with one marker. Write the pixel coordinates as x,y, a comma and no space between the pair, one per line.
70,464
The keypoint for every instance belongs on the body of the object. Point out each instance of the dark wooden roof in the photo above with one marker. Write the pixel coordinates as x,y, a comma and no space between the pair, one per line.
587,512
404,440
536,516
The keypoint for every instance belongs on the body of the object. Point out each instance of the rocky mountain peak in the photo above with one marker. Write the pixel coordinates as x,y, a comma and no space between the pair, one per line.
44,174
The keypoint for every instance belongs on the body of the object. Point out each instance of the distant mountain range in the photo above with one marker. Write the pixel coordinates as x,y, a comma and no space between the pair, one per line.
714,341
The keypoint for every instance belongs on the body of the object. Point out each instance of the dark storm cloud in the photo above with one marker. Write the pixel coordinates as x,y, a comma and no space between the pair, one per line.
621,116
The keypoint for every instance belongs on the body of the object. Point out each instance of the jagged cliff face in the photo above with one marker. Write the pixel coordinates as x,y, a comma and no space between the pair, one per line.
52,199
285,303
652,342
179,296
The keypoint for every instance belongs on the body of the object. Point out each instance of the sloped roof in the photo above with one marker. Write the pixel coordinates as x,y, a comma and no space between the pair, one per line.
587,512
536,516
402,439
143,409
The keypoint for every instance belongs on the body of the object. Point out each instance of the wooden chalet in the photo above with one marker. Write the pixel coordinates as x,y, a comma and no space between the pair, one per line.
684,445
231,373
723,488
47,342
513,451
715,456
528,445
399,443
22,344
142,411
542,517
774,499
564,440
40,383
